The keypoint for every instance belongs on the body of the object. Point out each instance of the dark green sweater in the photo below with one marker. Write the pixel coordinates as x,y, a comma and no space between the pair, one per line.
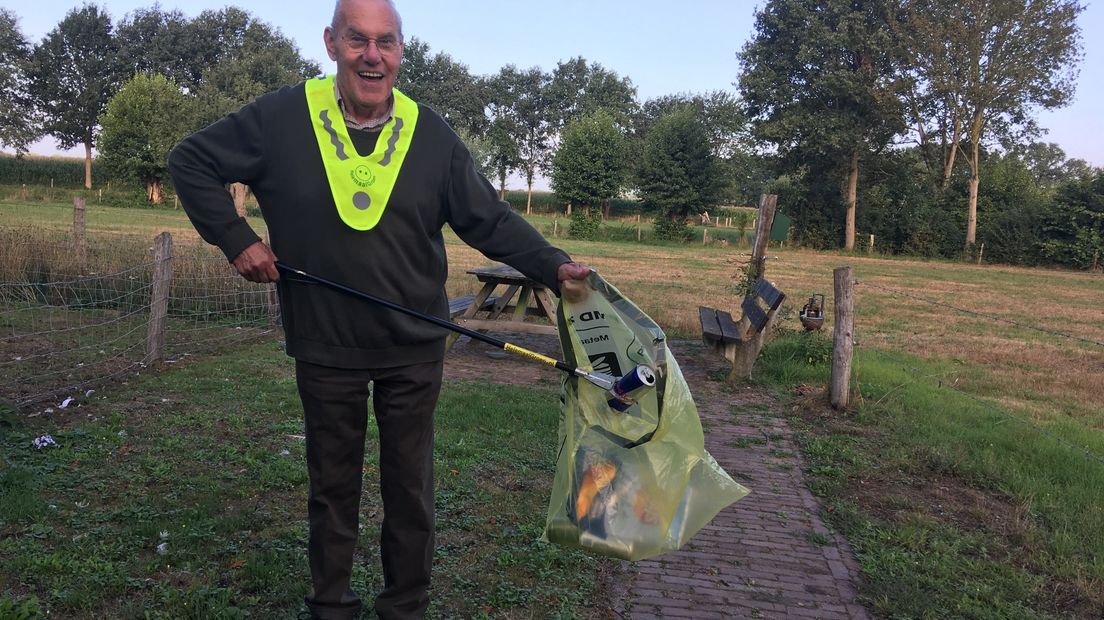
270,146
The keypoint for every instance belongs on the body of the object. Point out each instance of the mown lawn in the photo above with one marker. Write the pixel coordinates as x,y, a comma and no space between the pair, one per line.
182,495
968,477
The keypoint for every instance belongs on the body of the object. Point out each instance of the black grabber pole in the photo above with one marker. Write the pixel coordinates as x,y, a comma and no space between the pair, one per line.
601,380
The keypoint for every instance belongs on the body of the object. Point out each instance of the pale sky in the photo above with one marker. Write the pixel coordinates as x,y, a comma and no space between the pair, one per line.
663,47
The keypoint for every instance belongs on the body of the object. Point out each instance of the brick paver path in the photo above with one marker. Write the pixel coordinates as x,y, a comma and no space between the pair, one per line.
768,555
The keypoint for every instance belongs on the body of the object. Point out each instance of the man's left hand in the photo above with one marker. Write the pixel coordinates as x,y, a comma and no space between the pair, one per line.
572,277
572,271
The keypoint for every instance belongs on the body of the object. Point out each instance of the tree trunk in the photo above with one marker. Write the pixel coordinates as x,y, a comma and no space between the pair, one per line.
88,164
951,151
971,209
153,191
851,199
975,180
238,191
529,199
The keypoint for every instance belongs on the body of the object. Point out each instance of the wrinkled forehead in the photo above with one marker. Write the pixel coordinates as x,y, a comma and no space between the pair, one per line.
367,17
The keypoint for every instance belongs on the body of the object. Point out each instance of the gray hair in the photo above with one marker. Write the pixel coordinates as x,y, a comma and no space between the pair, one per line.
390,3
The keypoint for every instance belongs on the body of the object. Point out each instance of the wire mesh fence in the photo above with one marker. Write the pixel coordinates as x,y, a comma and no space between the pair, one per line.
69,323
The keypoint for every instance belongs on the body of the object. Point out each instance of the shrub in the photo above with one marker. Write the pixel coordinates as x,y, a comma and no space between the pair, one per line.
585,226
672,229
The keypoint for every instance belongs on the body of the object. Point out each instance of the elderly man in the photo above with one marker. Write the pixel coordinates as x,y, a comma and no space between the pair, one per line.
355,182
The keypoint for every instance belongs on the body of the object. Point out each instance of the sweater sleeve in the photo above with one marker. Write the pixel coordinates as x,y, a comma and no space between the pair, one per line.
489,225
228,151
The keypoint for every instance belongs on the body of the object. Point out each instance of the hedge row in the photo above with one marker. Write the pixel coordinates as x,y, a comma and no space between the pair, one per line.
31,170
546,202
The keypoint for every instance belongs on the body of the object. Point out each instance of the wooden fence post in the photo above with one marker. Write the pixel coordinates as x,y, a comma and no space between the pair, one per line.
843,341
758,267
159,297
638,227
80,234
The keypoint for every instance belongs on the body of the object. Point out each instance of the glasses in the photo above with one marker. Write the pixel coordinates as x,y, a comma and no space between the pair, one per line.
385,44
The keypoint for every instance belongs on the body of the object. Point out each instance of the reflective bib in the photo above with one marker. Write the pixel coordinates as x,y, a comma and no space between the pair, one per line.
361,186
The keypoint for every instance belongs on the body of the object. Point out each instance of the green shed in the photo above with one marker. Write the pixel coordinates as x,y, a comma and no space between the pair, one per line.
780,229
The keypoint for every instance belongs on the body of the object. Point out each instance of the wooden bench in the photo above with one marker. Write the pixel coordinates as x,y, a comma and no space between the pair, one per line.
458,305
718,325
741,340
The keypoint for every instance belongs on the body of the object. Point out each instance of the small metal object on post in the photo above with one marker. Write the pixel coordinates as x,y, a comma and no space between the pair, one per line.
812,313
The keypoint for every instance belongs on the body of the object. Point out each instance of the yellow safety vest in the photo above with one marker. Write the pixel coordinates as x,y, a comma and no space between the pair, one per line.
361,186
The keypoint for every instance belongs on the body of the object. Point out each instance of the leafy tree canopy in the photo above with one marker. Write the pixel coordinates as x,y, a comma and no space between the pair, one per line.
442,83
18,118
143,121
678,172
74,71
579,88
588,168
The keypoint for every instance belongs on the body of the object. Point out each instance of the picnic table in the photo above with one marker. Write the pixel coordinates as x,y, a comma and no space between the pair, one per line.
503,302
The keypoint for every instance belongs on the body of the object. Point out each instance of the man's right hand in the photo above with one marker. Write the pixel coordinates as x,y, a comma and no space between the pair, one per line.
257,263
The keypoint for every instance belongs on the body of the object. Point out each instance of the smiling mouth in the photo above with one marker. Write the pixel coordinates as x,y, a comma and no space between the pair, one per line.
371,76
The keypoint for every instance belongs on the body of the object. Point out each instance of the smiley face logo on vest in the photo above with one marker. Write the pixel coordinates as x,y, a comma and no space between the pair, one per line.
362,176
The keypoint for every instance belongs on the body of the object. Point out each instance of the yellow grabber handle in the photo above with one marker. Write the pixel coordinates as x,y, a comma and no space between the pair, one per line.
601,380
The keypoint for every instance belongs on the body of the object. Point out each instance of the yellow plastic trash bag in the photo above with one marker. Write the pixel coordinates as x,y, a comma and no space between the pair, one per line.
637,483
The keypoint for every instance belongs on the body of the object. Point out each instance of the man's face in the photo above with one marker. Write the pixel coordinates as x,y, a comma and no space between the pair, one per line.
366,42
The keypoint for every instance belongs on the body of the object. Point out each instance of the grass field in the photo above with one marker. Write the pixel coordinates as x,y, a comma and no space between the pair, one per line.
969,478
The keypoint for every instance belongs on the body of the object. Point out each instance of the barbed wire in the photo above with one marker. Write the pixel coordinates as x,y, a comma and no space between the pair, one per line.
991,317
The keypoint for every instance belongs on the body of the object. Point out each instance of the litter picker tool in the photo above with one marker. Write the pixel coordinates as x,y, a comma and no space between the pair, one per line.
619,387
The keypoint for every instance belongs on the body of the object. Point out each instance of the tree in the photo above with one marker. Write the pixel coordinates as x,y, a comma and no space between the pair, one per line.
1008,57
578,88
505,155
1073,231
722,115
929,52
74,71
1046,160
243,59
153,40
443,84
588,168
522,107
143,121
818,85
678,173
480,149
18,118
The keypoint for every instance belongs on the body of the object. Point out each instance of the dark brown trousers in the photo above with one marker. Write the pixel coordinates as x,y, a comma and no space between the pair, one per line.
335,407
